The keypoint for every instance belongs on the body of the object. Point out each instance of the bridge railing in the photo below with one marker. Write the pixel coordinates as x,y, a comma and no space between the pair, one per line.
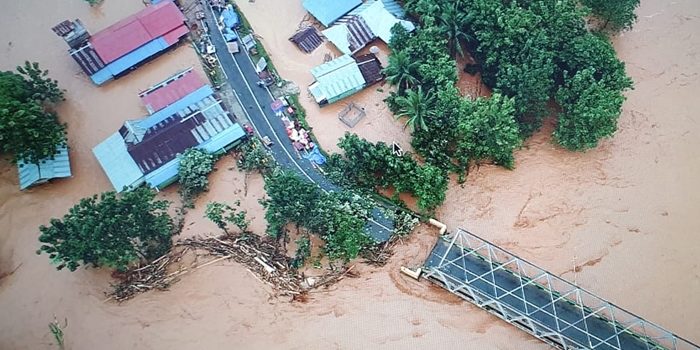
452,265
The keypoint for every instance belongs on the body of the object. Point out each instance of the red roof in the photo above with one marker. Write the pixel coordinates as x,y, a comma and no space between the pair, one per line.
136,30
171,91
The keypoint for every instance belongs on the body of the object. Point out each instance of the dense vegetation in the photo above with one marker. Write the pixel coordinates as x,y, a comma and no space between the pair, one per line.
195,166
615,15
375,165
29,130
339,218
223,214
530,54
112,231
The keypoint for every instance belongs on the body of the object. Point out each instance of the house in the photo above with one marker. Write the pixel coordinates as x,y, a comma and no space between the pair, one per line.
31,174
123,46
328,11
343,77
373,19
184,112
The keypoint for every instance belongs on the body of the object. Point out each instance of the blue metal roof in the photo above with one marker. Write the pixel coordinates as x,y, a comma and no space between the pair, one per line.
327,11
223,139
129,60
165,175
185,102
117,163
47,169
336,79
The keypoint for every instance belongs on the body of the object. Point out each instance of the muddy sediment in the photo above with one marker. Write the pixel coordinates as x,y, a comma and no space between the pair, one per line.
619,220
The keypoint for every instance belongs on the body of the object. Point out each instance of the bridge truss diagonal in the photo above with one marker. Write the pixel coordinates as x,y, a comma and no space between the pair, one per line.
538,302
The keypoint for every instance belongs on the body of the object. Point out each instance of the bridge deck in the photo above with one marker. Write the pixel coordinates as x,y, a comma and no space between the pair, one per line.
542,304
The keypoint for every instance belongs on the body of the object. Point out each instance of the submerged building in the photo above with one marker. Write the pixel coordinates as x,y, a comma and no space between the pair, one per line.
123,46
367,22
184,112
344,76
32,174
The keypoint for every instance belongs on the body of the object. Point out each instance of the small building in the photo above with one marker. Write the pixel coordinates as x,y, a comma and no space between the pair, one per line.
328,11
367,22
123,46
307,39
31,174
343,77
184,113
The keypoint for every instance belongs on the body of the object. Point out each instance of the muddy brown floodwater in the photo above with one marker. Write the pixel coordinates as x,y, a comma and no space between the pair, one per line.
621,220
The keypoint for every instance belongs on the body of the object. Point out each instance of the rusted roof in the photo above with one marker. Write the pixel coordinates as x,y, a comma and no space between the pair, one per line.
370,67
307,39
87,59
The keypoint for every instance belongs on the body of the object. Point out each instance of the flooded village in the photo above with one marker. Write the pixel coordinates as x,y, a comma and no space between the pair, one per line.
618,220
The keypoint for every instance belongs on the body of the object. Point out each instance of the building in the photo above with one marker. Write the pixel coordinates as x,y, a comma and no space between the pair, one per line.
123,46
31,174
367,22
328,11
184,112
343,77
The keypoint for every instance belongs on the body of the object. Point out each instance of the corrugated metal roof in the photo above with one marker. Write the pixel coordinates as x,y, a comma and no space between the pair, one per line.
47,169
380,21
164,175
327,11
136,30
336,79
307,39
223,139
117,163
350,34
370,67
394,8
171,90
87,59
180,105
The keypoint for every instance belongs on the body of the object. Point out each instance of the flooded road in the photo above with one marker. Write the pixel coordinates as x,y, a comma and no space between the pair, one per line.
620,220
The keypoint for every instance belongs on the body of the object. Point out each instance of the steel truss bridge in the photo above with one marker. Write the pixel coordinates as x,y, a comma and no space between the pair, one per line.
538,302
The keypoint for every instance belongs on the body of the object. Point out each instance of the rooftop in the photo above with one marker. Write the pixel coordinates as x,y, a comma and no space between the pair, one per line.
328,11
136,30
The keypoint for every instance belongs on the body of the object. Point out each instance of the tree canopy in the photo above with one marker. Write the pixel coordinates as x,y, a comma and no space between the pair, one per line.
339,218
195,166
616,16
29,130
112,231
530,53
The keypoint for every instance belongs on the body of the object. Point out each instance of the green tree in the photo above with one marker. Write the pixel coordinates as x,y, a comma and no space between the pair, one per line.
453,22
195,166
401,70
28,130
254,156
489,130
616,15
112,231
223,214
417,106
40,85
589,111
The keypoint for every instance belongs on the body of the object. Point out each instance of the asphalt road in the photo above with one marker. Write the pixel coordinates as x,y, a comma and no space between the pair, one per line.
255,100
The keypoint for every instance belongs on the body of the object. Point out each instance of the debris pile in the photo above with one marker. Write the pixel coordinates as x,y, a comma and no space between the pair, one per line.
261,257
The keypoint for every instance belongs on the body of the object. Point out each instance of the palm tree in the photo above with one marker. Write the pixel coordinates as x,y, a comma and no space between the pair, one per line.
401,70
417,106
452,22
